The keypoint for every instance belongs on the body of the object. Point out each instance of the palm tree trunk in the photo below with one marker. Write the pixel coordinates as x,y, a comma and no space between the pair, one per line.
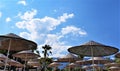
44,65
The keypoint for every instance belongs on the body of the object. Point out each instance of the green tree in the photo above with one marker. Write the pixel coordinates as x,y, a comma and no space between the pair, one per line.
117,60
46,51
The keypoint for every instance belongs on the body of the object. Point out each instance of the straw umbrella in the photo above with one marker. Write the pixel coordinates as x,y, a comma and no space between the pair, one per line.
34,63
117,55
12,62
111,64
13,42
1,63
68,58
98,60
82,62
96,66
2,57
54,64
71,66
107,65
93,49
86,67
26,55
114,68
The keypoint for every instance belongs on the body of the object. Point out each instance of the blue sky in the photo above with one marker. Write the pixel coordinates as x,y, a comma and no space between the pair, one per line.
62,23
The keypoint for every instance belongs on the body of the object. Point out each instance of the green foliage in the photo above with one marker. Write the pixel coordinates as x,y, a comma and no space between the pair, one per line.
46,61
3,52
117,60
46,49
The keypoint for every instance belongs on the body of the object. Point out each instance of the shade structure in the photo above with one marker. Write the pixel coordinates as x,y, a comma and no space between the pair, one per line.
94,49
98,60
114,68
13,42
86,67
68,58
26,55
117,55
82,62
16,43
54,64
1,63
34,63
96,66
112,64
72,65
2,57
12,62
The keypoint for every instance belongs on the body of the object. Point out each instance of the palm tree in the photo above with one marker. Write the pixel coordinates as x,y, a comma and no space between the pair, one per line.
46,49
45,52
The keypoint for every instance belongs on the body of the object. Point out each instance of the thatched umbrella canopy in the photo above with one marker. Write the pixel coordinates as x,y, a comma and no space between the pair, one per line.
2,57
117,55
96,66
98,60
72,65
54,64
1,63
86,67
68,58
26,55
14,42
34,63
114,68
82,62
12,62
111,64
94,49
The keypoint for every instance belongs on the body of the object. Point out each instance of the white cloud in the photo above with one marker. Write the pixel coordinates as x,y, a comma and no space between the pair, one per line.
8,19
0,14
57,46
65,16
28,15
74,30
23,2
38,29
35,25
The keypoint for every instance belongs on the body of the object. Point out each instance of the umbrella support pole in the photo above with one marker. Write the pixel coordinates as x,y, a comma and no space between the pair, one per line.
92,58
25,65
7,55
